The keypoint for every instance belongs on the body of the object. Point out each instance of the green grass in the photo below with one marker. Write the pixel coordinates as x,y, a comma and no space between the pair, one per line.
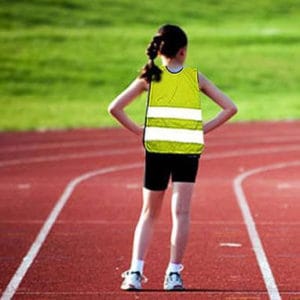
63,61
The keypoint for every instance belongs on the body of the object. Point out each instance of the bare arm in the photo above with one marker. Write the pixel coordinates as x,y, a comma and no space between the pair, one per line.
116,108
229,108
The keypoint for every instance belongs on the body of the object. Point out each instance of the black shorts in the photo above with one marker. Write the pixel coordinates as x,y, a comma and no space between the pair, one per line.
160,167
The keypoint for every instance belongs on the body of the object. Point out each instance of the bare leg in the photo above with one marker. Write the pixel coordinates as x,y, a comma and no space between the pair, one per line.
152,202
181,199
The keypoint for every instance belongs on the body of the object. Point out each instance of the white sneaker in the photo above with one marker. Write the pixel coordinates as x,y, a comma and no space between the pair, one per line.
173,281
132,281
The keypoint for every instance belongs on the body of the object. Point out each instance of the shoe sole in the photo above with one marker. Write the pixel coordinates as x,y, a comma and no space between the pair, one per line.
130,288
175,288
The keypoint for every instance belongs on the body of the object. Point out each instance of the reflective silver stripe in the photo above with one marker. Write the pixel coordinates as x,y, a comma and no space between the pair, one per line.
174,135
175,113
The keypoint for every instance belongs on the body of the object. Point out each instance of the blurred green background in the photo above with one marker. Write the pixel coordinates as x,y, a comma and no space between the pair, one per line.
63,61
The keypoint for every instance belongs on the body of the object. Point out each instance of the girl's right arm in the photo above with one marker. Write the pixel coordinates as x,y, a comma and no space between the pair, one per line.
116,107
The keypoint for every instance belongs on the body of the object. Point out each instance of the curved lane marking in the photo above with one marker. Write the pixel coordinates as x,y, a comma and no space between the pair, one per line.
17,278
258,249
80,144
52,158
56,145
33,251
59,157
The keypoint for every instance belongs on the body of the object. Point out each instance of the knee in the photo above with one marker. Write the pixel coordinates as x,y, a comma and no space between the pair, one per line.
151,213
182,213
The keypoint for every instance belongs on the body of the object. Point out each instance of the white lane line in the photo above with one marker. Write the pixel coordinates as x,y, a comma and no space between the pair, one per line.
258,249
226,154
232,245
256,151
41,237
59,157
80,144
17,278
71,144
114,222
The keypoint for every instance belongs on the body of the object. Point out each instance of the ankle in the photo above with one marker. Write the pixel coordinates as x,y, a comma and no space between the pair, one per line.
137,265
174,268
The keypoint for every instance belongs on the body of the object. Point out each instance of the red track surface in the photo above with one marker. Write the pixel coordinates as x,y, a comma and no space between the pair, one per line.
89,244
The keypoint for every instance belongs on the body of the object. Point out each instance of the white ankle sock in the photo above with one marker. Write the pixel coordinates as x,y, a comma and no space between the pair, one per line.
137,265
174,268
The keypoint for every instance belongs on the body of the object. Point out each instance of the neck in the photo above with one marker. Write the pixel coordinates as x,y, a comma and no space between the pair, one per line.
171,63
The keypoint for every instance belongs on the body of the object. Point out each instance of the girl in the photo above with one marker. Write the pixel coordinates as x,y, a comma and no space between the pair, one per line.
173,139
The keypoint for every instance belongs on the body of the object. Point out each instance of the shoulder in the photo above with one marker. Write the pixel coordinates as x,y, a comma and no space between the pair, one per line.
202,80
193,72
191,69
140,84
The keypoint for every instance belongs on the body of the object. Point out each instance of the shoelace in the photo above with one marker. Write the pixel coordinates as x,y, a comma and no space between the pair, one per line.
181,267
175,276
143,277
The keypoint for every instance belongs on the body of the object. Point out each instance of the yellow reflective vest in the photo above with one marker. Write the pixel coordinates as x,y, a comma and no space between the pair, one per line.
174,118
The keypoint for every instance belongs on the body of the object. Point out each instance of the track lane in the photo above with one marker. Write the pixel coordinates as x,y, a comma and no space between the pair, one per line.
274,200
238,161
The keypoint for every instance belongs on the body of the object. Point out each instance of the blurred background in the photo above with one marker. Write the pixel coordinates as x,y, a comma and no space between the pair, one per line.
63,61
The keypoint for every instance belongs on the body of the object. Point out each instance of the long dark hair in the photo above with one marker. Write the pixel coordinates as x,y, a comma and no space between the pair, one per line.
168,41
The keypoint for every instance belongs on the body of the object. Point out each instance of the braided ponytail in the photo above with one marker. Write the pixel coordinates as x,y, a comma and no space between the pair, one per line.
169,40
151,71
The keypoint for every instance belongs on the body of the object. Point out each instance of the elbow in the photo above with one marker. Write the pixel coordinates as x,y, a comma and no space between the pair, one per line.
112,109
233,110
115,110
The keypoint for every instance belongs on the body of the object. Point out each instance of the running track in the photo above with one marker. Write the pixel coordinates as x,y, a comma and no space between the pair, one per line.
70,201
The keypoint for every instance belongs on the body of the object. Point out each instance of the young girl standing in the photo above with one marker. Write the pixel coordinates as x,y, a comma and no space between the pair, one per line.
173,139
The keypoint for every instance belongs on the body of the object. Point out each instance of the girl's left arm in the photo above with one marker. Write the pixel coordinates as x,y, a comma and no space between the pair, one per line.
215,94
116,107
